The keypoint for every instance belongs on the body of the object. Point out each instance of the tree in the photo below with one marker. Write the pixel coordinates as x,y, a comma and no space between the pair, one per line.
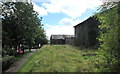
109,38
21,24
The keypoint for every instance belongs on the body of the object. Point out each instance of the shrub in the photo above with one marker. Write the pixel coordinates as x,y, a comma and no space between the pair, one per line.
7,61
8,51
110,34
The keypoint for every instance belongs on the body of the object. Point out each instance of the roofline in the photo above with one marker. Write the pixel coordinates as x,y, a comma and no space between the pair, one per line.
83,21
94,16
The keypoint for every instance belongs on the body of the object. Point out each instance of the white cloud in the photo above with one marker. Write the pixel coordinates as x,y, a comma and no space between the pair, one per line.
65,27
41,11
51,8
41,0
73,8
69,22
66,21
58,29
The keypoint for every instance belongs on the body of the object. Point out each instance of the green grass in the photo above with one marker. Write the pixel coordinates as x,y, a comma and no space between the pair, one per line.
62,58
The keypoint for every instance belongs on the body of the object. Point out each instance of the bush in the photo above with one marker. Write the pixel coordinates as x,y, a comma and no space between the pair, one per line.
110,35
7,61
8,51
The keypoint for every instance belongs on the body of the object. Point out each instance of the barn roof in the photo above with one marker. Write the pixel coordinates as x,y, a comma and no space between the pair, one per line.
83,21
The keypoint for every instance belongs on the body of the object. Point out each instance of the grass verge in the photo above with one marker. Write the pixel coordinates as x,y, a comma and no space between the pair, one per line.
62,58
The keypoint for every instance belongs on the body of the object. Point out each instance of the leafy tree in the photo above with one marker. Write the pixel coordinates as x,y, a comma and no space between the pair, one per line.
21,24
109,38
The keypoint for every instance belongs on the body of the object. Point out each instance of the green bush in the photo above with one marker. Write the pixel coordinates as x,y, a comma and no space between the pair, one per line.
7,61
110,35
8,51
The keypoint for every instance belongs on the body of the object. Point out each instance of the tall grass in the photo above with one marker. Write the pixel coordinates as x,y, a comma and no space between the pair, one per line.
61,58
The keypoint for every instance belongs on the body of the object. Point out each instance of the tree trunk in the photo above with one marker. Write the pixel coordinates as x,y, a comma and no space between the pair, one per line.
30,48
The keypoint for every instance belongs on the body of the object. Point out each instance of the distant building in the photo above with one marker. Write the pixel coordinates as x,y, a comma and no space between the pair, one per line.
59,39
87,32
70,40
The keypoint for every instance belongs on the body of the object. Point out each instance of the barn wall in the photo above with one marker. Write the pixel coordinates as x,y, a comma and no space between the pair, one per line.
86,33
57,41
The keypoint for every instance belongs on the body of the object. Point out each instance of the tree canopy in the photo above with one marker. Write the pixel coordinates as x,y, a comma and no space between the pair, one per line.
21,24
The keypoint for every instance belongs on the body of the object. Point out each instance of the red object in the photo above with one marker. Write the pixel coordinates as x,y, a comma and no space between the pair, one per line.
20,51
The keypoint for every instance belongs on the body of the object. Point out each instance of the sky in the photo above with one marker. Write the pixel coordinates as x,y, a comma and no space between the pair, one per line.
59,16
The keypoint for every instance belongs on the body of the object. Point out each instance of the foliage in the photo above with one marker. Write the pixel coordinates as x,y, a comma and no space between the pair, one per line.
109,38
7,51
21,24
7,61
62,58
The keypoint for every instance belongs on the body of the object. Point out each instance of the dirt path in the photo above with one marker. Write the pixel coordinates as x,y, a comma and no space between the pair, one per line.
15,67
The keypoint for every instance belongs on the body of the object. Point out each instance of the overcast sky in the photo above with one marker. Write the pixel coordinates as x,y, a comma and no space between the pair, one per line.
59,16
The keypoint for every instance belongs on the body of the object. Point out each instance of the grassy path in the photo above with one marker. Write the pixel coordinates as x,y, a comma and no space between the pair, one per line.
61,58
